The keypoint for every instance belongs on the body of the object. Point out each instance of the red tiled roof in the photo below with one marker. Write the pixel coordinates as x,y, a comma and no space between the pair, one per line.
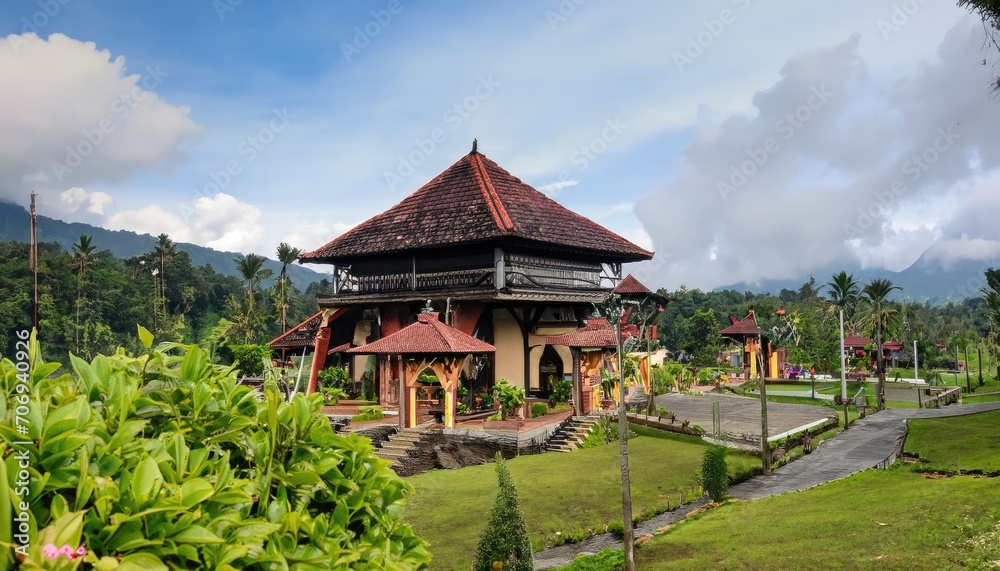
342,348
630,285
856,341
892,345
597,333
427,336
473,201
742,328
302,335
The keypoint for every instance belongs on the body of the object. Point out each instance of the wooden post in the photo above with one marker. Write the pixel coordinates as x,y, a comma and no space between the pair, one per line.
765,450
968,385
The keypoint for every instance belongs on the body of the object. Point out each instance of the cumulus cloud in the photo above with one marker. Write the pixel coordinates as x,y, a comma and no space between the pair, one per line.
220,222
93,202
81,117
308,237
815,175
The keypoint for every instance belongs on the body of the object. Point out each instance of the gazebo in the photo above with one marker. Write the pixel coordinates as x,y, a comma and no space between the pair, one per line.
590,347
746,332
431,345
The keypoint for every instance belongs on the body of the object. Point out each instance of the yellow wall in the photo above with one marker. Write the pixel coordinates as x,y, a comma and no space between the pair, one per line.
537,343
510,348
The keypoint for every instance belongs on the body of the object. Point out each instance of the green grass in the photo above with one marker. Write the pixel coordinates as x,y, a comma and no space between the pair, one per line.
981,398
958,444
563,496
880,519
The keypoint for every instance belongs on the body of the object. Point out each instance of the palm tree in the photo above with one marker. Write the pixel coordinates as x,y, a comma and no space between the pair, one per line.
991,297
82,251
876,293
251,268
844,295
286,255
163,250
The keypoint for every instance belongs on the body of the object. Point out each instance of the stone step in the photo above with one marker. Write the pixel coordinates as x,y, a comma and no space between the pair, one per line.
391,454
404,438
395,448
561,448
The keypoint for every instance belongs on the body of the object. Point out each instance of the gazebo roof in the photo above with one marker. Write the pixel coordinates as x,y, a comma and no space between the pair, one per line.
427,336
475,201
746,327
892,345
302,335
596,334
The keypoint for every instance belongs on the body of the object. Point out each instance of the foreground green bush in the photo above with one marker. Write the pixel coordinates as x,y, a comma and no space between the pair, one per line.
504,543
164,462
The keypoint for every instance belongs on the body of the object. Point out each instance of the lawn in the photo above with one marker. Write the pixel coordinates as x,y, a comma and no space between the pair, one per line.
562,495
981,398
884,519
958,444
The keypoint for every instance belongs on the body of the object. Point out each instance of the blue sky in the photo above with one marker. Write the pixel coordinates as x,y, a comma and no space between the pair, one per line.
238,125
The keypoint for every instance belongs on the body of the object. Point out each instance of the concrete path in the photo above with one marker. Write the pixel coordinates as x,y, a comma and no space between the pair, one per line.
741,415
869,443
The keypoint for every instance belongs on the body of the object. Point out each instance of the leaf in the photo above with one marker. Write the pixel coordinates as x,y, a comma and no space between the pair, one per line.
145,337
196,534
146,480
195,491
141,562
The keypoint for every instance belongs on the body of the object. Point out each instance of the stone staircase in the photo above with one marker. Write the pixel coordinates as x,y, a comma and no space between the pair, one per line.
399,445
571,434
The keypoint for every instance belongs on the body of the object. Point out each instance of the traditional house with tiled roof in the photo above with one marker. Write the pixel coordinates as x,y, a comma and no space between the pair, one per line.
746,332
499,260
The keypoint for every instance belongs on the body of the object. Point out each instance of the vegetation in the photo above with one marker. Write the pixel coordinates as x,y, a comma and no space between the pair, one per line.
509,397
164,461
447,505
249,359
504,542
972,445
90,300
714,474
538,409
366,413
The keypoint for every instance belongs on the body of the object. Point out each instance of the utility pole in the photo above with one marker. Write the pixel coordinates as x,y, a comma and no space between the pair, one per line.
765,450
979,352
33,262
968,385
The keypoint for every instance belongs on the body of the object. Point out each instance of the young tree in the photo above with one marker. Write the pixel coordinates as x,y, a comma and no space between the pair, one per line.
253,272
876,292
505,538
163,251
991,304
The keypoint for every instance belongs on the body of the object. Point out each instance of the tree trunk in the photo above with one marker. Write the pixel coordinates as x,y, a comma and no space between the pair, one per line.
628,539
879,365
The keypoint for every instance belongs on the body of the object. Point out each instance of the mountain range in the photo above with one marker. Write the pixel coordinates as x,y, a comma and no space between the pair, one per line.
926,280
15,225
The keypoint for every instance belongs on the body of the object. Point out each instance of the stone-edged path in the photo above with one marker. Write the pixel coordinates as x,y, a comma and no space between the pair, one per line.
870,442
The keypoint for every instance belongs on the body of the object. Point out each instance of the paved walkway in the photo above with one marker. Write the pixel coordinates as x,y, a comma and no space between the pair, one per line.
741,415
869,443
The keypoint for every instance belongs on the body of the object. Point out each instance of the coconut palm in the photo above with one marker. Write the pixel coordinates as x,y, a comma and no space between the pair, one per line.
876,292
82,251
286,255
844,295
991,297
163,251
251,268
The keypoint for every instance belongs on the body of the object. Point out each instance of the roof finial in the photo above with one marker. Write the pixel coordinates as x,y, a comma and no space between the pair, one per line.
474,145
428,308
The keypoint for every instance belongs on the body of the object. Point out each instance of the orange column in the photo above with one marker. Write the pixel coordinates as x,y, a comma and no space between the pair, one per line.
319,358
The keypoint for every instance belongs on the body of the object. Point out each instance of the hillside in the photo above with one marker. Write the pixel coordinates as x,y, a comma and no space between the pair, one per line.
15,222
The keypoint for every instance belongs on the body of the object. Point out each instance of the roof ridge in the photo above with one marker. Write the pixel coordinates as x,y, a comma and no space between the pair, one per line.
493,202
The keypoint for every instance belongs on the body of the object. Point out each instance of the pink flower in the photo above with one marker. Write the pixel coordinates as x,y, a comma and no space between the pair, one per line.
66,550
81,551
50,551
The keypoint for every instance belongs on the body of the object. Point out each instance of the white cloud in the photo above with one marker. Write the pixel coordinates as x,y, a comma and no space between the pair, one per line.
76,115
95,202
219,222
809,178
308,237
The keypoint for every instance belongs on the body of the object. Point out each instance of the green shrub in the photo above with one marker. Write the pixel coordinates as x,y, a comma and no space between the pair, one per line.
505,537
715,474
165,462
606,560
561,390
509,396
249,359
461,408
335,378
538,409
368,413
332,396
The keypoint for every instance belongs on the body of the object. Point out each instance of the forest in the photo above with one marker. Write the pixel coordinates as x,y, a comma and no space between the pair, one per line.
91,301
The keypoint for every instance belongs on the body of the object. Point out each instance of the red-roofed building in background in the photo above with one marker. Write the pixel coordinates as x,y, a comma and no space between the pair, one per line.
498,260
747,333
